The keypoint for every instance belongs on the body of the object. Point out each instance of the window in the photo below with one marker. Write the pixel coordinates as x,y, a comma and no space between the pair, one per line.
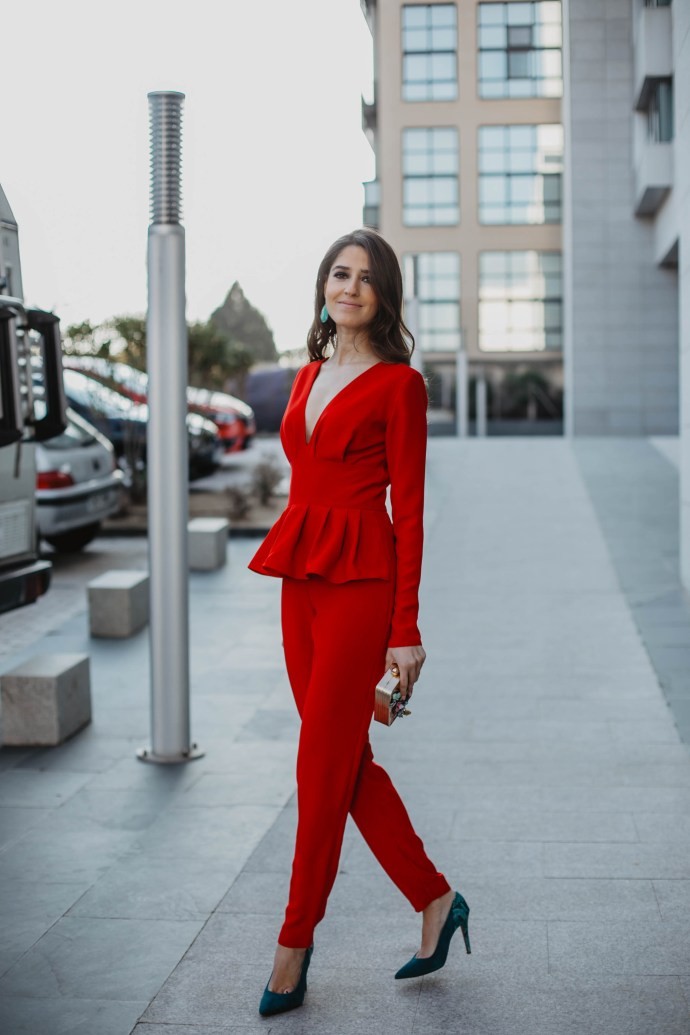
430,52
520,49
520,171
430,177
372,203
660,111
520,301
434,277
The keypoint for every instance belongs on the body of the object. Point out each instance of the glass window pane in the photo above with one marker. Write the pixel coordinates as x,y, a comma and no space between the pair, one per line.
445,191
417,191
442,66
520,36
443,15
521,136
492,162
548,36
443,39
520,14
415,67
492,190
492,65
548,63
491,14
492,36
549,11
414,14
444,91
415,39
519,63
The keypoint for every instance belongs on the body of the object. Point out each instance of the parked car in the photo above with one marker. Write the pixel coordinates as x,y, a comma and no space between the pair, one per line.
124,423
233,417
78,484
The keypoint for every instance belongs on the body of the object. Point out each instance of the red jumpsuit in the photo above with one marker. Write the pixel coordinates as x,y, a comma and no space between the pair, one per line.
349,591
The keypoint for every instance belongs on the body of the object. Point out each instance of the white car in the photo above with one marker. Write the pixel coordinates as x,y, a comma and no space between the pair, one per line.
78,483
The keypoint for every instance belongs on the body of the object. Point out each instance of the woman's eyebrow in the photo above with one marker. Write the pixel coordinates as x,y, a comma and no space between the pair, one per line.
347,269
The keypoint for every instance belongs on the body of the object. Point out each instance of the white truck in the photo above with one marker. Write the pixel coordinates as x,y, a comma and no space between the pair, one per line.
26,336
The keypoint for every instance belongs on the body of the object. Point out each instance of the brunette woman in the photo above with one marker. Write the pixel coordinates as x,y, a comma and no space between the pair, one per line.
355,423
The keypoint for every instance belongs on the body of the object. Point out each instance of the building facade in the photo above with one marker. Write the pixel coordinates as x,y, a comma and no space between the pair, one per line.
522,174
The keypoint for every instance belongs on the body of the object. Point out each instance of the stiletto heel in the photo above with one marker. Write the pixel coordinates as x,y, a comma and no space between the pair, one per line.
279,1002
457,917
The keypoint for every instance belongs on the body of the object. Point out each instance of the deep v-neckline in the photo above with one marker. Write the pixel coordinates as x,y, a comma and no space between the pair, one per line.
349,384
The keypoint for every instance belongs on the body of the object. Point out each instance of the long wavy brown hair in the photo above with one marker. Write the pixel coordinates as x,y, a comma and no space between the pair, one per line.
388,335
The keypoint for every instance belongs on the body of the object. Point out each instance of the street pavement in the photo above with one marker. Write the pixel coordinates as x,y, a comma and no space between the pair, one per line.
543,765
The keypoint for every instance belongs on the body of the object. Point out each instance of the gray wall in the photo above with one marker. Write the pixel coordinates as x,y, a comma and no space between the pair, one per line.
621,309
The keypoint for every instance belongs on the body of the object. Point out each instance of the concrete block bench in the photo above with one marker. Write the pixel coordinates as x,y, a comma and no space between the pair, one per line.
45,700
207,543
118,603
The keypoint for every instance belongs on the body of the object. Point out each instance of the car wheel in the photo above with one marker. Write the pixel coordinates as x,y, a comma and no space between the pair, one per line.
75,540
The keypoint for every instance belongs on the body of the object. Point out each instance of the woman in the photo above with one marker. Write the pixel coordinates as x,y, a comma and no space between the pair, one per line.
355,422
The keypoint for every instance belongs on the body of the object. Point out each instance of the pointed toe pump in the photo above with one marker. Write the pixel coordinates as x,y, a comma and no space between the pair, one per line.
457,917
279,1002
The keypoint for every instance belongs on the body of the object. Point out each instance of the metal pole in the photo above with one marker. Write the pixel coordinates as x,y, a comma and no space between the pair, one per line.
461,396
167,456
412,313
481,404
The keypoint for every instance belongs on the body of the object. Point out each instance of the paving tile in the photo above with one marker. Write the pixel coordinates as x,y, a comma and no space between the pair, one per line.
28,788
541,825
466,858
665,826
139,888
254,893
553,898
28,910
213,789
673,897
649,1005
652,948
66,1016
211,992
16,821
647,861
83,958
225,832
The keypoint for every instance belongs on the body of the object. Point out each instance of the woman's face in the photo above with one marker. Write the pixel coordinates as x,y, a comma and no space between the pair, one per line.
350,299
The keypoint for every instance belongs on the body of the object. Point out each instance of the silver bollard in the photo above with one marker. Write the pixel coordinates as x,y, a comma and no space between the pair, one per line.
167,459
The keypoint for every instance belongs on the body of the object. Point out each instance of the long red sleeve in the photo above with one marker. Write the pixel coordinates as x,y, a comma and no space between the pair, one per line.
406,439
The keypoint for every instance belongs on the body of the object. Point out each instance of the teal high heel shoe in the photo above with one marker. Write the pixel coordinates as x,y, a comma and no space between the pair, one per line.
457,917
279,1002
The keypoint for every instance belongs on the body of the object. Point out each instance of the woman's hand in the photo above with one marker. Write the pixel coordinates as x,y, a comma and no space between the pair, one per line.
409,661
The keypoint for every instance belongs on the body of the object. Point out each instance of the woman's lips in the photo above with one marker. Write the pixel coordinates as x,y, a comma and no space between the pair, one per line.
351,305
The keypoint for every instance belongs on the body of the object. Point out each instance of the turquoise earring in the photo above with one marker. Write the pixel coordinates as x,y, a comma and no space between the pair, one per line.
324,315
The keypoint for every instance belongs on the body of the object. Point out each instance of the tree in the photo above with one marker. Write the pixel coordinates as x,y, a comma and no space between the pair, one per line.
245,326
131,330
213,358
86,339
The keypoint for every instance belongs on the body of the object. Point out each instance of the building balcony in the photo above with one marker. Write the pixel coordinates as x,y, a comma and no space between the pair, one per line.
653,176
372,204
653,43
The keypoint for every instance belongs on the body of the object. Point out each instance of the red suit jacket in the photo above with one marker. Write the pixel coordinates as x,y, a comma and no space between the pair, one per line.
371,434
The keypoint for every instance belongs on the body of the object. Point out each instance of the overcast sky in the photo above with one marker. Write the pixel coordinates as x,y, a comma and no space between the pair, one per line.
273,158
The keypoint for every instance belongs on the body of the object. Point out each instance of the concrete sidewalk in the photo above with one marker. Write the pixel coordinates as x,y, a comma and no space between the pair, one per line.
541,765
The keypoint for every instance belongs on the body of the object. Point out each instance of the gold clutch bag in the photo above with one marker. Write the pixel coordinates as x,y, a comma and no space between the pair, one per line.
388,701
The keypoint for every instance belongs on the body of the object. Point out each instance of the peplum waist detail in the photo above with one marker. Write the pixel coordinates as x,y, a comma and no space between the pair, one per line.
337,543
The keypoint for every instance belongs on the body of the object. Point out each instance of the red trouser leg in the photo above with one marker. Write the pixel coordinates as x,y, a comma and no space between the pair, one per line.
335,640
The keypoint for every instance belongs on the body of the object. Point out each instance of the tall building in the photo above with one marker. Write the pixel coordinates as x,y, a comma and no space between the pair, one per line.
524,174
